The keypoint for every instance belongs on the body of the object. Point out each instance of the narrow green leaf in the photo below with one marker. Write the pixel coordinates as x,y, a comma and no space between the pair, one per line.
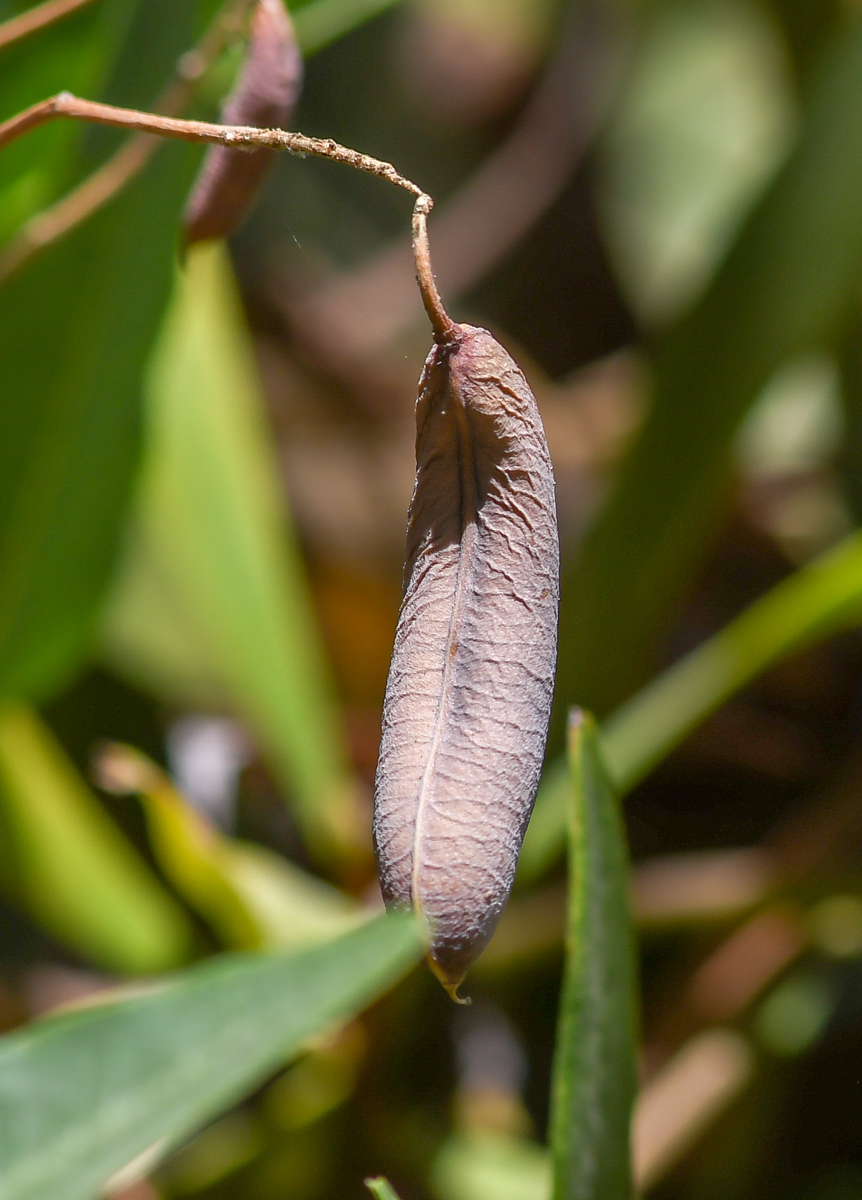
381,1188
75,330
595,1072
84,1094
74,54
212,532
785,287
324,21
815,602
70,866
484,1165
702,120
251,897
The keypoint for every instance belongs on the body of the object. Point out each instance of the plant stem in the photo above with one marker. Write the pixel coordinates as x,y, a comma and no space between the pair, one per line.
64,104
442,324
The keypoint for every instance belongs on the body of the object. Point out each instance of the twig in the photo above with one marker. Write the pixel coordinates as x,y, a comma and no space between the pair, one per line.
66,105
37,18
97,189
358,314
442,324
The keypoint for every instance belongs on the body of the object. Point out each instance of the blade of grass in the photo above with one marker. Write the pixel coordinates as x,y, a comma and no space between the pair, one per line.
595,1076
41,16
250,896
490,1165
813,603
70,866
786,286
324,21
211,523
75,55
84,1094
75,331
381,1188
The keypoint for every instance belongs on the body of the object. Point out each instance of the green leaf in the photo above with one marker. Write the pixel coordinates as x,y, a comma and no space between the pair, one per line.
84,1094
69,865
702,121
813,603
381,1188
784,288
250,896
71,54
75,330
324,21
491,1166
213,538
595,1070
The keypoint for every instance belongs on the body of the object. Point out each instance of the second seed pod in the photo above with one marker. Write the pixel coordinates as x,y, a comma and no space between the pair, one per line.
265,93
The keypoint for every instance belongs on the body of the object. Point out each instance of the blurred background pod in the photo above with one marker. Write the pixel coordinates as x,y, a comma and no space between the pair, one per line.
264,95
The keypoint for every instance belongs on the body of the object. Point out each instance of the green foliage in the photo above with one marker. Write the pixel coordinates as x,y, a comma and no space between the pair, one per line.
594,1076
84,1094
250,897
787,285
381,1188
73,340
323,21
67,863
819,599
76,54
213,568
143,524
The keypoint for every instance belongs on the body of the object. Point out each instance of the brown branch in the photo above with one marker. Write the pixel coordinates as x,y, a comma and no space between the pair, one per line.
442,324
356,315
37,18
64,104
73,107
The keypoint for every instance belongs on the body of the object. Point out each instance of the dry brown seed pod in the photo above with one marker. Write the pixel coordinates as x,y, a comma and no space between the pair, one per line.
264,95
469,692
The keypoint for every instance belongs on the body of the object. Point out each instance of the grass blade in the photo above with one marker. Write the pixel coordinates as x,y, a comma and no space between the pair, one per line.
249,895
381,1188
84,1094
76,328
785,287
63,858
594,1077
213,533
816,601
324,21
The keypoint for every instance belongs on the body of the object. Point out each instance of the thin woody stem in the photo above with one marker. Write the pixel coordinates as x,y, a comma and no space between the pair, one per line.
97,189
66,105
442,324
37,18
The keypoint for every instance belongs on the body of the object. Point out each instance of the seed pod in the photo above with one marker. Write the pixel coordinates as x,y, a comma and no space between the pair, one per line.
264,95
469,692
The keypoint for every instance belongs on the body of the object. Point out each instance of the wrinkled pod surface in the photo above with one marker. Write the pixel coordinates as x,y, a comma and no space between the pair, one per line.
471,680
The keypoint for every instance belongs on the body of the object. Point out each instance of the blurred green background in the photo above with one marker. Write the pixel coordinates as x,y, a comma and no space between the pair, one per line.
656,205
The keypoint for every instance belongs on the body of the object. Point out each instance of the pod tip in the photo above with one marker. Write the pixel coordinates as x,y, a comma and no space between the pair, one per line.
451,985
